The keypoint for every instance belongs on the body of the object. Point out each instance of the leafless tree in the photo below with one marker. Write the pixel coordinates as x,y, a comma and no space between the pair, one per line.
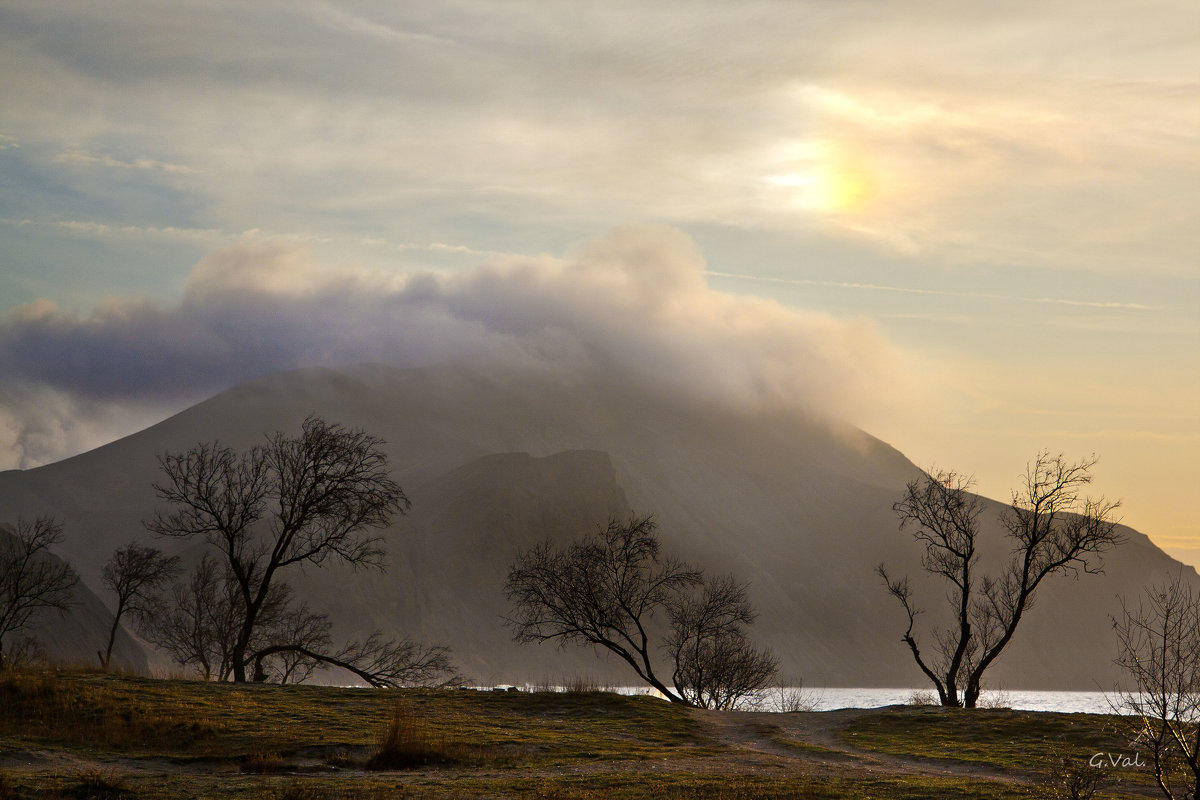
1053,529
197,621
294,500
135,573
31,579
1159,650
605,590
715,666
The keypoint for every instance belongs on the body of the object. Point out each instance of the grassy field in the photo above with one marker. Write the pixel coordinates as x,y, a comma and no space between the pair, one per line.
75,734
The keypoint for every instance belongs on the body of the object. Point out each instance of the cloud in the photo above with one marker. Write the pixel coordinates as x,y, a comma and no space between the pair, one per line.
40,424
1059,301
1029,135
83,157
634,300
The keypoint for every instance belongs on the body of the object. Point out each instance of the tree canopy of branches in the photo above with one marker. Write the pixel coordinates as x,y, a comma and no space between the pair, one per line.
306,499
1053,528
30,579
605,590
197,623
201,622
135,574
1159,651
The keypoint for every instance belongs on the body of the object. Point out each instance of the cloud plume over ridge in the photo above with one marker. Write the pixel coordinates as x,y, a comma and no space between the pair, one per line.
634,300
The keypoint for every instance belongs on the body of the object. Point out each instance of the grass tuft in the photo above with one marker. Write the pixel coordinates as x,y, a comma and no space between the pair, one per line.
409,741
263,762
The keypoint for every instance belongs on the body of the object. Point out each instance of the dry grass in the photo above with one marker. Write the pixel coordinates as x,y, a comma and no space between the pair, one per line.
310,743
100,785
409,741
263,762
38,703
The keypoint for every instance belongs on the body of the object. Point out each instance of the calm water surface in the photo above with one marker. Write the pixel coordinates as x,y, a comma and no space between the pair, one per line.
829,699
1071,702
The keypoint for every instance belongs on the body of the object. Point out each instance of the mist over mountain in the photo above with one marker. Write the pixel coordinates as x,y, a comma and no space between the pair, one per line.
496,458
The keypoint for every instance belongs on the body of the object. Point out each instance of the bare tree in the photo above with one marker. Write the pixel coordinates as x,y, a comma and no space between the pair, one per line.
715,666
1159,650
197,621
294,500
135,574
30,578
605,590
1054,530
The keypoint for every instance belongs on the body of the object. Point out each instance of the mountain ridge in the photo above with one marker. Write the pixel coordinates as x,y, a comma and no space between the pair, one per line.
496,458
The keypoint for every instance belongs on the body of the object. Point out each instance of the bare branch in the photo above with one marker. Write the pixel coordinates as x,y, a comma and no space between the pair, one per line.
605,590
31,578
135,574
307,498
1054,528
1160,653
715,666
383,663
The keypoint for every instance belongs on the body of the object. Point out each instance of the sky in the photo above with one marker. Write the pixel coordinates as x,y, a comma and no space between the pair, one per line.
970,229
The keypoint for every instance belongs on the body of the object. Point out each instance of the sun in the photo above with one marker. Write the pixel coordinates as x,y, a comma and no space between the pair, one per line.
845,186
832,180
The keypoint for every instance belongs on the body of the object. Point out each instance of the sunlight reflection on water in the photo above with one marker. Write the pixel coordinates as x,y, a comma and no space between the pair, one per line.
830,699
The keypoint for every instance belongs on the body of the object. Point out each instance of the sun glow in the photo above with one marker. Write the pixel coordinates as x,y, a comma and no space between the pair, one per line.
830,181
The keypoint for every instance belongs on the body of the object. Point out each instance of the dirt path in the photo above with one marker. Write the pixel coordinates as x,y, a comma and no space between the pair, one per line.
817,740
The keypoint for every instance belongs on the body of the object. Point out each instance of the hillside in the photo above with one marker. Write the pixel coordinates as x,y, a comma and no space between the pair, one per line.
496,460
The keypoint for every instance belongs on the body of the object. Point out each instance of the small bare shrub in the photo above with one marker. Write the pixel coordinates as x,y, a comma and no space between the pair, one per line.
998,699
1073,777
922,697
791,699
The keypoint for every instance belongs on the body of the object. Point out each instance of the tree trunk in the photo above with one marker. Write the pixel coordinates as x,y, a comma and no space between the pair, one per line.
112,637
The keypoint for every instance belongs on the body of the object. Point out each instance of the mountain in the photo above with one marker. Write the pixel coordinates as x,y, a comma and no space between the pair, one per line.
496,458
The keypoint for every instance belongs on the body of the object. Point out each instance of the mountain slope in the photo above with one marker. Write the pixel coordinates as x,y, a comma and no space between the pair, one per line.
80,633
495,459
